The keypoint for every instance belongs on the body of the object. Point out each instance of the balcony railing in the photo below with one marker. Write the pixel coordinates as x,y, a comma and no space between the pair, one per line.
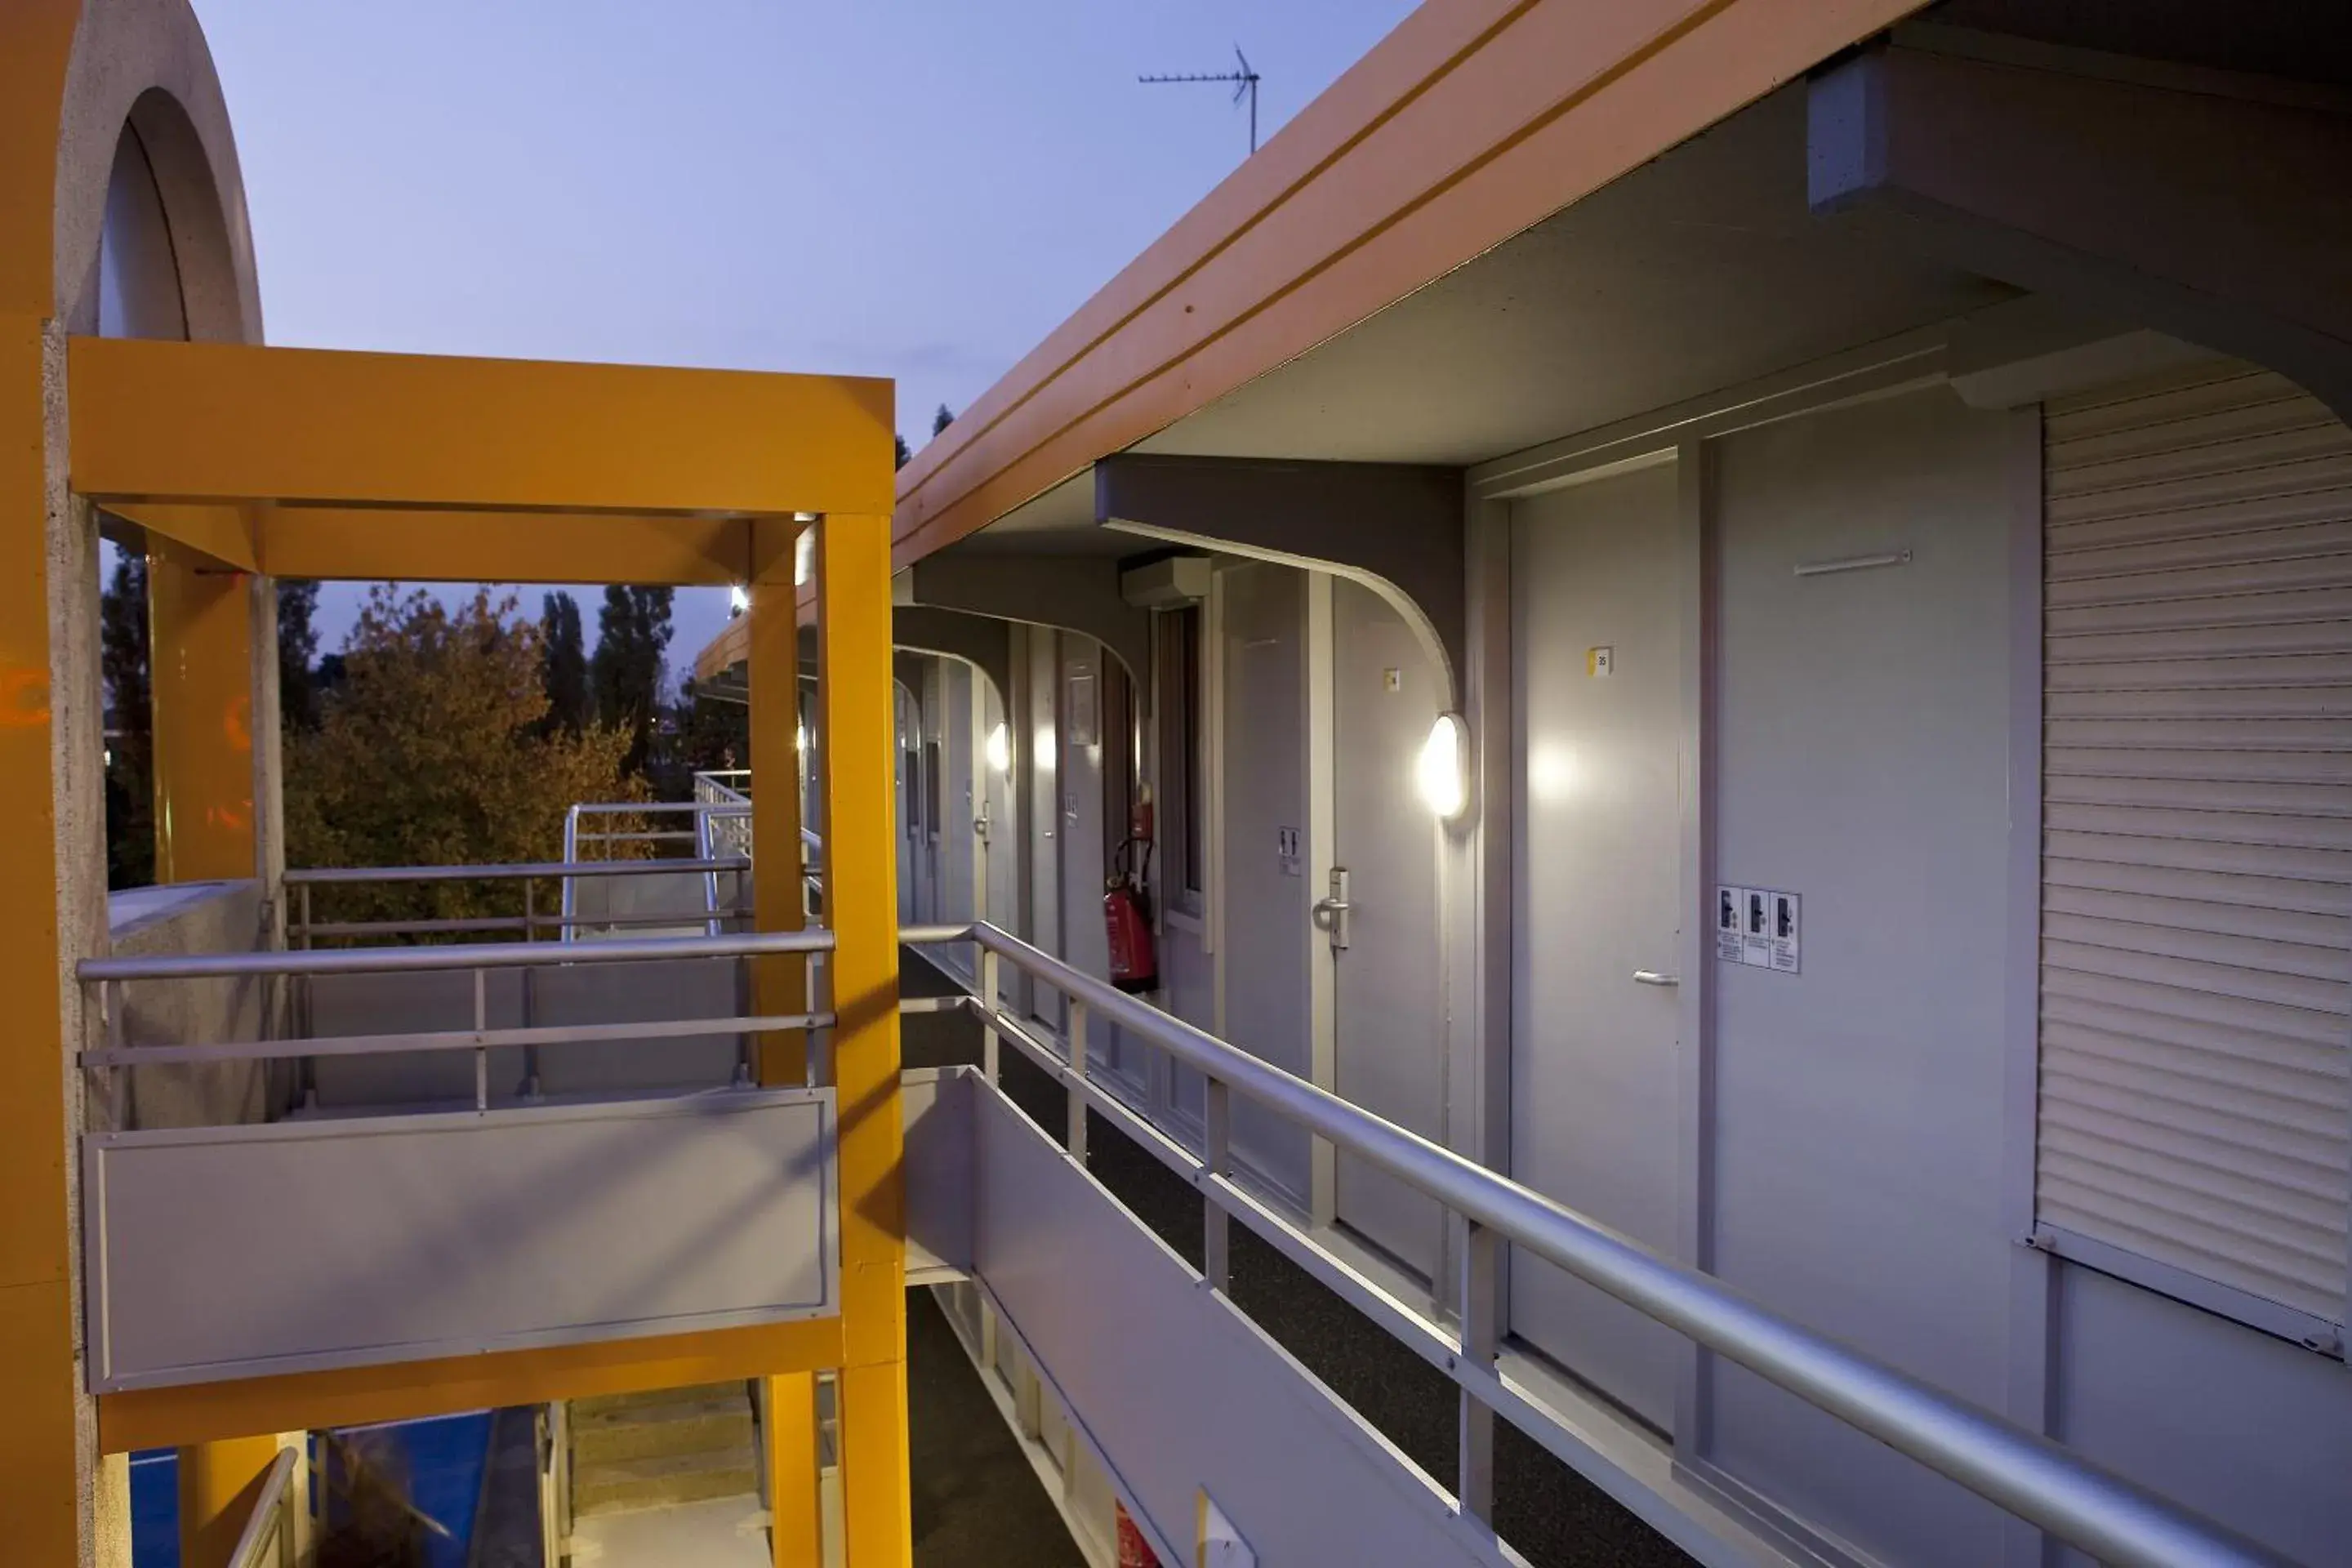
2038,1480
510,1201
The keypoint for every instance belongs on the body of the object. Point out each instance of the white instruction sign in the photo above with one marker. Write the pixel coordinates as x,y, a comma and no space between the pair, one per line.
1761,928
1285,852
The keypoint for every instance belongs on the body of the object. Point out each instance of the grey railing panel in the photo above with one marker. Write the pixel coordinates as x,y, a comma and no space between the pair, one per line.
935,1106
241,1251
1176,1388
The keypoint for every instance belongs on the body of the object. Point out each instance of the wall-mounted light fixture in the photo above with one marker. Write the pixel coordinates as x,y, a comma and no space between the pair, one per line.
1442,771
1000,750
803,557
738,599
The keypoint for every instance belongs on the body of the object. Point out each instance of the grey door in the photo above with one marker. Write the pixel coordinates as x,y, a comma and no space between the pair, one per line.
1270,938
1388,1035
1597,690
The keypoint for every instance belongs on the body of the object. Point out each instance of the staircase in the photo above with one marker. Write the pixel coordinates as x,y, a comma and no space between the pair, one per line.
675,1445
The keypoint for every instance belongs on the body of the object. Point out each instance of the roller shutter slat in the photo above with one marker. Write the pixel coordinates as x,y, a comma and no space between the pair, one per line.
2131,876
2257,921
2197,829
2191,793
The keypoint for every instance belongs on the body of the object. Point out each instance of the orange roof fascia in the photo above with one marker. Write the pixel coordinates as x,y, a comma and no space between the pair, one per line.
1471,121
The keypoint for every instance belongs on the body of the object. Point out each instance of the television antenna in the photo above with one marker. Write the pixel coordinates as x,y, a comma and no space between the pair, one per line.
1244,82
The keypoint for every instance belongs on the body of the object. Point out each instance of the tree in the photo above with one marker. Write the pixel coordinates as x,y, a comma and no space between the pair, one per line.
564,665
430,753
297,647
130,725
941,420
904,452
713,733
632,634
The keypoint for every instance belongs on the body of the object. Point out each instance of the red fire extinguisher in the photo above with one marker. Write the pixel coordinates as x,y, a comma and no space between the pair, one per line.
1127,908
1134,1552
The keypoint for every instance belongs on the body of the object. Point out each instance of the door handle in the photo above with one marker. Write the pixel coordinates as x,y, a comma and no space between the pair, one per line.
1651,977
1331,914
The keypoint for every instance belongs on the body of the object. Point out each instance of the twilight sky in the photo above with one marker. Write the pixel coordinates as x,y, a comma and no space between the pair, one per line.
919,189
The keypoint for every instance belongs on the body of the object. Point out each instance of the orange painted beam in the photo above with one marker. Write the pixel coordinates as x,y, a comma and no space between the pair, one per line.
198,422
207,1412
1467,124
422,544
222,535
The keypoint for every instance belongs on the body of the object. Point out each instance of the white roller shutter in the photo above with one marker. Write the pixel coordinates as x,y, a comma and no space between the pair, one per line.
2197,851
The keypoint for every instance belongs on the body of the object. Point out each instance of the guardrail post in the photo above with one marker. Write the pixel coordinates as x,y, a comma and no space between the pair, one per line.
1481,1254
110,1002
989,1061
1216,1137
1077,1139
481,1051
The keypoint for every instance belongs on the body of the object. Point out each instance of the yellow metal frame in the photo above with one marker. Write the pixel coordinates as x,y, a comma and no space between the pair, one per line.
238,461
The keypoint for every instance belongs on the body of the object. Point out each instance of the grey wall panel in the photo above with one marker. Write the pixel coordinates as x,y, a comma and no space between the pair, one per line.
229,1252
2248,1428
343,1004
637,993
1864,764
935,1109
1176,1388
340,1004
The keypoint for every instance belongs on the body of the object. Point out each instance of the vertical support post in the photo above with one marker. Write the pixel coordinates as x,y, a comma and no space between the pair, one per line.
854,739
1216,1138
110,1001
1481,1296
219,1483
779,982
199,655
795,1510
991,1044
481,1051
1077,1139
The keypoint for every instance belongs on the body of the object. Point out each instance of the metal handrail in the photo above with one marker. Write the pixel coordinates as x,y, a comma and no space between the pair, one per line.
484,956
265,1542
2115,1519
547,869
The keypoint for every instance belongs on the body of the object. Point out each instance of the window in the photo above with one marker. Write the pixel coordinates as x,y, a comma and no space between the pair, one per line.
1183,841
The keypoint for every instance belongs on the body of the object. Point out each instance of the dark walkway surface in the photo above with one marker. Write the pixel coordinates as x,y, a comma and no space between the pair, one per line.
1553,1516
977,1502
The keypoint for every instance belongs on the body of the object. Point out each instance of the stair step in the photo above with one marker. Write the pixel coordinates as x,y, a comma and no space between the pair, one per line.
614,1485
603,1404
685,1428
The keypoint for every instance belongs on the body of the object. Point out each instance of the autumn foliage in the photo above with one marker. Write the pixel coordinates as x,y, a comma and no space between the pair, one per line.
431,752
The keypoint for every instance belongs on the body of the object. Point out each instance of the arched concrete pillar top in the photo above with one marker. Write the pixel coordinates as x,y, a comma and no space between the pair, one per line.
983,642
1396,527
74,74
1068,593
